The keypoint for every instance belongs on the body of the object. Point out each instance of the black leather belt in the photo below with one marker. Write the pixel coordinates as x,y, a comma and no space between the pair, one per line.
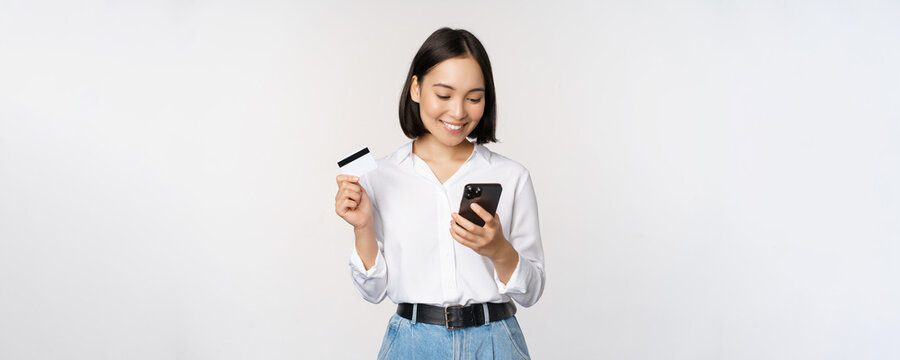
457,317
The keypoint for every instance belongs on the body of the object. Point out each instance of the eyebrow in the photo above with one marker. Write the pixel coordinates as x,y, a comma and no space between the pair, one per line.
451,88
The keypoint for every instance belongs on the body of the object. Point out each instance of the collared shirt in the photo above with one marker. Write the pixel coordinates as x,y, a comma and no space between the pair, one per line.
418,261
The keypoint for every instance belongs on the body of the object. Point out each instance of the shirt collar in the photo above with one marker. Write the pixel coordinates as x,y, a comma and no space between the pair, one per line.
405,152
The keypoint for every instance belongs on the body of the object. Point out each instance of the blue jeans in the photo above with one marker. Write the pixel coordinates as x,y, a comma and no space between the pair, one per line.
501,339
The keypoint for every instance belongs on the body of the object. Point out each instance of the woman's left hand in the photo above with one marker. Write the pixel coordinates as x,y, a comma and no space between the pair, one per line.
487,240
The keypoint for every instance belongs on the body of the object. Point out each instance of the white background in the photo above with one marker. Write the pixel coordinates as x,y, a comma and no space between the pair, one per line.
716,180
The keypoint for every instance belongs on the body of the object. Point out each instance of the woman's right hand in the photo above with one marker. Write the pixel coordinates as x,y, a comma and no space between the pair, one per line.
351,202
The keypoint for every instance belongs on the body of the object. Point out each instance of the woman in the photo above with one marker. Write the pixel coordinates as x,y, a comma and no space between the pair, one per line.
453,281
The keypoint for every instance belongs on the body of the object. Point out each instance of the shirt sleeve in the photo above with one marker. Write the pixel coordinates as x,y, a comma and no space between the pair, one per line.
526,284
371,283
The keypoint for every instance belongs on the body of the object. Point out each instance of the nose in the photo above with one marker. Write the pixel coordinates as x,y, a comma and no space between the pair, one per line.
457,109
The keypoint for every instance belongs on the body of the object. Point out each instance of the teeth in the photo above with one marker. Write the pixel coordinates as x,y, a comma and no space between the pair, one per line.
452,127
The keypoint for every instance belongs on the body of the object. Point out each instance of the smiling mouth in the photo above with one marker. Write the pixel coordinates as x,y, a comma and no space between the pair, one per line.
452,127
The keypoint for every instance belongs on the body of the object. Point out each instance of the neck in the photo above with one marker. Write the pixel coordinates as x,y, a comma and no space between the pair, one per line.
428,147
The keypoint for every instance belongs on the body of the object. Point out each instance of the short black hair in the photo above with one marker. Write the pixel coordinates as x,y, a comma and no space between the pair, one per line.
443,44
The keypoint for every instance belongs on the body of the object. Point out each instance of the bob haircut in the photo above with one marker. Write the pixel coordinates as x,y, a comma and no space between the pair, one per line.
443,44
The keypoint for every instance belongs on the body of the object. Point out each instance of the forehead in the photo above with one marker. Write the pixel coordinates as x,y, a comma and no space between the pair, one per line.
459,72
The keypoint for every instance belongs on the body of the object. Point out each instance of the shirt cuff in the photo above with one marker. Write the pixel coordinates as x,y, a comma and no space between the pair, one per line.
359,270
518,281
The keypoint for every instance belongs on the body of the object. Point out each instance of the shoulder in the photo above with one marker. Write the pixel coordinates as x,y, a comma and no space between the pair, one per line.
503,163
517,176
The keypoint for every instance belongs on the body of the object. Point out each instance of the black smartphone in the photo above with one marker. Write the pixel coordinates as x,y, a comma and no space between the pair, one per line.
485,195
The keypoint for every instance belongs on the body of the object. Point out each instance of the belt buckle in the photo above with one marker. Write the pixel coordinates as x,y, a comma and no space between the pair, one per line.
447,318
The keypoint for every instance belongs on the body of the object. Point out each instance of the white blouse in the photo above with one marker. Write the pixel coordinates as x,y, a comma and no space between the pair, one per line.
418,261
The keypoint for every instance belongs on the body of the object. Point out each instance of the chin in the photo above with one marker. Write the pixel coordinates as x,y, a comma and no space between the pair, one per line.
452,140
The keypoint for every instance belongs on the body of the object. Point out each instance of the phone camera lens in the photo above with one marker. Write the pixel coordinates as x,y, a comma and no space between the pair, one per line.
478,191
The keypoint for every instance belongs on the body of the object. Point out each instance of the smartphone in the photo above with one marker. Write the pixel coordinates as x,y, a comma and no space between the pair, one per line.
485,195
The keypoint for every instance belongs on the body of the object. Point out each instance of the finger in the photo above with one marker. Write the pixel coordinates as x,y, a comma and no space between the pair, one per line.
347,186
465,223
460,231
346,177
342,208
355,196
482,213
347,183
345,192
351,192
351,186
340,178
496,220
350,203
466,243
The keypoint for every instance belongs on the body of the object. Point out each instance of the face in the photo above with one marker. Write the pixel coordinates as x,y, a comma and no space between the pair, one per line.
450,98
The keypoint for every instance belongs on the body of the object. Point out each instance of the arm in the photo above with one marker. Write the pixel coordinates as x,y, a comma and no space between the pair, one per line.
525,282
505,263
367,266
366,247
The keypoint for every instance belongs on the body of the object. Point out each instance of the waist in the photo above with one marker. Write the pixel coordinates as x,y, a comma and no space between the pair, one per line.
457,317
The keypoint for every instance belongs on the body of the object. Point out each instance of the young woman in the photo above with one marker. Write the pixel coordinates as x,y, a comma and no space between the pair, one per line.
453,281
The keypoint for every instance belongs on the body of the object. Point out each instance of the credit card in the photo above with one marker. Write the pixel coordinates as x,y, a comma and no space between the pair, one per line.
359,163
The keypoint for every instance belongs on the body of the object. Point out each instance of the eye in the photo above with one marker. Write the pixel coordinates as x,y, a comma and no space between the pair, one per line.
475,101
443,97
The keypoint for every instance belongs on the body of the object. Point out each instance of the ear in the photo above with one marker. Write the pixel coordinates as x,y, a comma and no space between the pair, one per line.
414,90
